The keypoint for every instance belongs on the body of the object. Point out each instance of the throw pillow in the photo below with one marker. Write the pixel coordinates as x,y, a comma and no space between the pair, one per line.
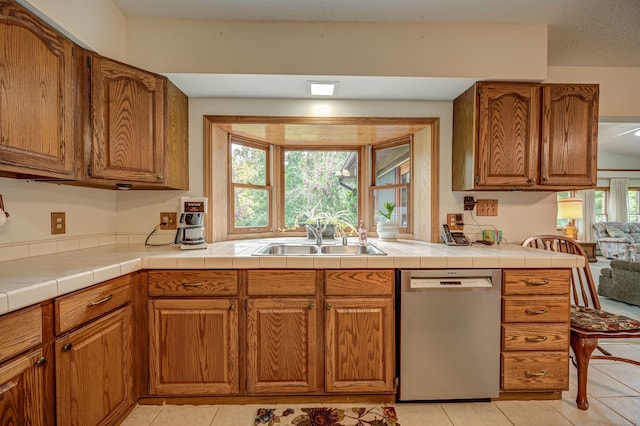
616,233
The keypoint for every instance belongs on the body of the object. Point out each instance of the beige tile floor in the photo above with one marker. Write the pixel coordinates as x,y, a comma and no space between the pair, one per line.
614,398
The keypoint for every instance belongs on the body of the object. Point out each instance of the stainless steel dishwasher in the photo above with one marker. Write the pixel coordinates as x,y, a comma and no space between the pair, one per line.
449,334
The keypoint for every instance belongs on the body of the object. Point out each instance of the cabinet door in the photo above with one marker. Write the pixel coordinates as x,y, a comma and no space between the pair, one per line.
281,345
37,105
127,120
569,135
193,348
508,134
21,390
360,345
93,371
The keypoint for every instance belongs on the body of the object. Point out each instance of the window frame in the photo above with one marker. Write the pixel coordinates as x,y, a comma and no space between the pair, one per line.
267,148
637,211
605,205
372,187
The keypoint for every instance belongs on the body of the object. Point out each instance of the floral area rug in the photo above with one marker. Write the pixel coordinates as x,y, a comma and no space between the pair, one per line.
327,416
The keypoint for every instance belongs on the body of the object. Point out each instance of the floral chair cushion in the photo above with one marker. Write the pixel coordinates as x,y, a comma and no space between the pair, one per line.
591,319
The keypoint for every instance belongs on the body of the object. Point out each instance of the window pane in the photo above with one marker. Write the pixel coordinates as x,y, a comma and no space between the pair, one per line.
632,203
251,208
397,196
600,205
320,185
392,165
248,165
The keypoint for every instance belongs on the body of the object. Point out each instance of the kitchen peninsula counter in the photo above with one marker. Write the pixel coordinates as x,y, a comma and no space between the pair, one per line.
24,282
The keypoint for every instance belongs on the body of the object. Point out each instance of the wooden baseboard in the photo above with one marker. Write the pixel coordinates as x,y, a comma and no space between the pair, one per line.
267,399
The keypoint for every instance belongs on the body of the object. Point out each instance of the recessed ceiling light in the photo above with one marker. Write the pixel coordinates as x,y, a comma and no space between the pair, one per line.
637,133
322,88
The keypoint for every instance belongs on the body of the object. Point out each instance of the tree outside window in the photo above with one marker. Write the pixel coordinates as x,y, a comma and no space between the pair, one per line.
633,204
320,184
250,187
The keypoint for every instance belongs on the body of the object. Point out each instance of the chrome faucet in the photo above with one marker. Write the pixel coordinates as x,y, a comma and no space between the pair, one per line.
316,231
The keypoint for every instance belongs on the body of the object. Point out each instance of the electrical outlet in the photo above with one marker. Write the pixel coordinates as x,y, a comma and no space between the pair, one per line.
171,220
58,223
487,208
455,222
469,203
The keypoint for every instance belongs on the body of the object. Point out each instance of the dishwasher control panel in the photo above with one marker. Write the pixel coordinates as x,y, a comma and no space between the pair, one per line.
450,282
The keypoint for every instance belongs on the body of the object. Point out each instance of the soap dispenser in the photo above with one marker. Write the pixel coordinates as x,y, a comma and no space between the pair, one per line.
362,234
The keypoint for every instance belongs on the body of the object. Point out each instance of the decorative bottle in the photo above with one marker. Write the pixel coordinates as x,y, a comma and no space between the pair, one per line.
362,234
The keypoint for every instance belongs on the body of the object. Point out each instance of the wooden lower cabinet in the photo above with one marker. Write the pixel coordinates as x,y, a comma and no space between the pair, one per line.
94,371
282,349
359,345
535,330
193,346
21,390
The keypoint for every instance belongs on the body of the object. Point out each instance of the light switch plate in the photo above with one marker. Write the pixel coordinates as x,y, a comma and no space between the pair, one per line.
487,208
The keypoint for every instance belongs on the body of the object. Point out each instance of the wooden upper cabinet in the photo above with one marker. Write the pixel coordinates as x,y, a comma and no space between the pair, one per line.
127,120
569,134
508,135
525,136
37,102
135,127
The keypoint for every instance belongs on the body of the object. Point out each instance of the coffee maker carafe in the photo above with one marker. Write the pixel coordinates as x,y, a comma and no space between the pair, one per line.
190,234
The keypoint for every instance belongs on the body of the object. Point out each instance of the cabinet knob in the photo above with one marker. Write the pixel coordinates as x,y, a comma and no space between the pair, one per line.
311,306
41,362
67,347
328,306
232,307
160,177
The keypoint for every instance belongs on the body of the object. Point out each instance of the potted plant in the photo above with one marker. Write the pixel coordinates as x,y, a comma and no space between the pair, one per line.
328,221
387,229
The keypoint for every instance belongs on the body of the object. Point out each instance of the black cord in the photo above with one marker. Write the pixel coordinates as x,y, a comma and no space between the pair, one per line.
146,242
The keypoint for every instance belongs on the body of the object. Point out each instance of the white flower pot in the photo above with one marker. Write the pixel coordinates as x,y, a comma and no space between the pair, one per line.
387,231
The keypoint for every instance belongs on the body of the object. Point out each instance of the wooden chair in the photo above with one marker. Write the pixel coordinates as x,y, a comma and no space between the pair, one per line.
588,321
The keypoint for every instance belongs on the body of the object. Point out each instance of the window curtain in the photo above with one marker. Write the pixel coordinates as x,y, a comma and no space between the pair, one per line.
618,200
585,225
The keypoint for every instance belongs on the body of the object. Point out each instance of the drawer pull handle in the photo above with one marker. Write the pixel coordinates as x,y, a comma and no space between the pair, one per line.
191,284
541,282
536,311
536,339
67,347
41,362
101,301
538,374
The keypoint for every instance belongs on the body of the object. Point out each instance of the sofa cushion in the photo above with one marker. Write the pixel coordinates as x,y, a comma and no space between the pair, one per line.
615,232
606,272
592,319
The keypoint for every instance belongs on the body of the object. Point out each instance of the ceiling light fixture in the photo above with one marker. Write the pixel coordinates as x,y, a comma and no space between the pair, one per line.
637,133
322,88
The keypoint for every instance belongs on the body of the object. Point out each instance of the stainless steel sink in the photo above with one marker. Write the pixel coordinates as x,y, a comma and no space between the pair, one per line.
350,250
281,249
288,249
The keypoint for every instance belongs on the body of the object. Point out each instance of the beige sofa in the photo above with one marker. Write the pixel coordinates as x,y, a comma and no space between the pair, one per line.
618,240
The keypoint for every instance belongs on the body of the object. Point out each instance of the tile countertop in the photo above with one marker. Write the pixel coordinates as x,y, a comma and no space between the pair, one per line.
24,282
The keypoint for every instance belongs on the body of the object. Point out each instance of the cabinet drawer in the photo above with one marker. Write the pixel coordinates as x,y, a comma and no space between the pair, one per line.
535,370
193,283
365,282
536,281
535,337
281,283
85,305
535,309
20,331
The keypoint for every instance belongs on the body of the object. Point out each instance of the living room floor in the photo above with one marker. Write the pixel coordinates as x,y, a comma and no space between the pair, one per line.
614,397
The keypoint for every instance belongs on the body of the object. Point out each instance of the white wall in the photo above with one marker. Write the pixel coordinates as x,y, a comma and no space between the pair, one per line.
89,211
538,208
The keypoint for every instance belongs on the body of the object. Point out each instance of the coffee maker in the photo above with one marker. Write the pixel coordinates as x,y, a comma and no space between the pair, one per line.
190,234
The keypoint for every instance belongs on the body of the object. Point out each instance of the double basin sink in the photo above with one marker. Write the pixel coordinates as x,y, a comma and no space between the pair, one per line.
288,249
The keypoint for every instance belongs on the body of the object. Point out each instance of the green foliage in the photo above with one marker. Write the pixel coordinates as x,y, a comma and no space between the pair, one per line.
388,210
